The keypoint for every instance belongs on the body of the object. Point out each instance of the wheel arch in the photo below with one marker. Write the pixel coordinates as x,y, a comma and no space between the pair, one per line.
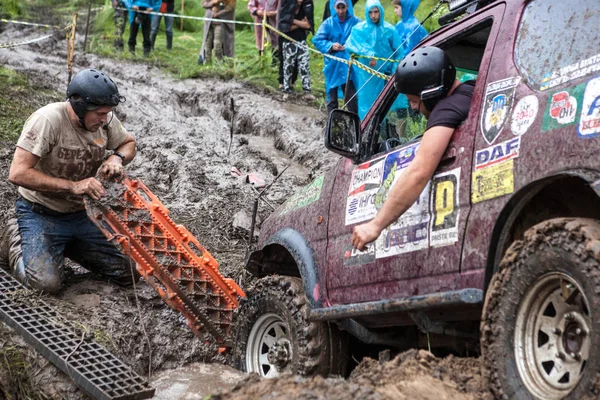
288,253
571,193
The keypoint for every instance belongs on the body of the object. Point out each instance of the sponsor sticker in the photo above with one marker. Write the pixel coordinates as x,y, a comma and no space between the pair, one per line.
499,97
524,114
494,181
305,196
444,208
563,108
497,153
589,124
354,257
371,183
571,72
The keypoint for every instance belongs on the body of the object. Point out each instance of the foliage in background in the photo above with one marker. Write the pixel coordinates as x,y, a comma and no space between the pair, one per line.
18,99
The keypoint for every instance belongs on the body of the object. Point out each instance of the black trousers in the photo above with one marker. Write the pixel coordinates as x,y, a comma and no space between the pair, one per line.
332,104
145,21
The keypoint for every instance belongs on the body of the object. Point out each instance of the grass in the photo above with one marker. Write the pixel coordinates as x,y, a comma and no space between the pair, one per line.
18,100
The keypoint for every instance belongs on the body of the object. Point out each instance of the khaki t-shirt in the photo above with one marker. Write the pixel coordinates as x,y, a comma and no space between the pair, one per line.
66,152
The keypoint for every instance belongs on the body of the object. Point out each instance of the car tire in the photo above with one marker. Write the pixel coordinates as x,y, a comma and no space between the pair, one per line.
541,320
272,335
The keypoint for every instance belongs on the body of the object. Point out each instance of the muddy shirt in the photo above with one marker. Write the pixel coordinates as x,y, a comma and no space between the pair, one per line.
66,152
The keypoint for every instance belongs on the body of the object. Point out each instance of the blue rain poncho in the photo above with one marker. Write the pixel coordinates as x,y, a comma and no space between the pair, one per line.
373,40
331,31
142,4
409,29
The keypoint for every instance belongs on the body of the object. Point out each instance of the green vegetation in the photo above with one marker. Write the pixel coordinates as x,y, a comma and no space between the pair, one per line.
18,99
15,364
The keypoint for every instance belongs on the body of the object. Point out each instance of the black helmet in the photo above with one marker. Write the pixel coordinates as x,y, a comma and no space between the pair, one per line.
428,73
93,89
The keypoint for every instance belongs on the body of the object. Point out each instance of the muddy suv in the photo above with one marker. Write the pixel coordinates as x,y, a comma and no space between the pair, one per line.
500,253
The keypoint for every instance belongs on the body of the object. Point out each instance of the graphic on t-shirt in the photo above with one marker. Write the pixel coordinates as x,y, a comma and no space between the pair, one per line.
496,107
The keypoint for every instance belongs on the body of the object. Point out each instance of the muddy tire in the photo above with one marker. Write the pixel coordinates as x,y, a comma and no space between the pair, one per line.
541,321
272,335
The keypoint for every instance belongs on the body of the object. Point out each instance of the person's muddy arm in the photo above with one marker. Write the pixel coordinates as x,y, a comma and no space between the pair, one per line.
23,173
113,166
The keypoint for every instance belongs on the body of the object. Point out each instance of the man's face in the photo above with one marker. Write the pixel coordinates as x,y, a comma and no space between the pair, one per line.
417,105
341,10
95,119
398,10
374,15
299,2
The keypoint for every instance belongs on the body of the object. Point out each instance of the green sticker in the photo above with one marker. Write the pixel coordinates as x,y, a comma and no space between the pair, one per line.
305,196
563,109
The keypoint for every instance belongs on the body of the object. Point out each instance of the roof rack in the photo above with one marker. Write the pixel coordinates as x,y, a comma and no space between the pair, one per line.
460,7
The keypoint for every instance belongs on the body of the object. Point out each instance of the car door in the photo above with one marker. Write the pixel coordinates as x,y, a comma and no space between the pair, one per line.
420,253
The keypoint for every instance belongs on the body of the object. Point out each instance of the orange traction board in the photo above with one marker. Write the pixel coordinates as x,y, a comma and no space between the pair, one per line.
167,256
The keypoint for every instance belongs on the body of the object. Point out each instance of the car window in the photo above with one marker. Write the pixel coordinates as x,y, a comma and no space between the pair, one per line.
557,40
397,124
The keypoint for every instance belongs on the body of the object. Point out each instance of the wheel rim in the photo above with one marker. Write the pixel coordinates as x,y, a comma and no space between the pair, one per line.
269,351
552,336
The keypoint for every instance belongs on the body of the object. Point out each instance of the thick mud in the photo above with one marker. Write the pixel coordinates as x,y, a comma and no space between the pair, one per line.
186,157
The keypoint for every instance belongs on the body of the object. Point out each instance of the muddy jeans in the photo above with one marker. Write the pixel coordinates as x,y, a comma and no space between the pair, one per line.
295,56
47,237
214,39
120,18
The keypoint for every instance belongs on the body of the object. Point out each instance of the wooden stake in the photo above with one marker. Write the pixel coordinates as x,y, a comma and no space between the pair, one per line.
87,26
71,47
182,8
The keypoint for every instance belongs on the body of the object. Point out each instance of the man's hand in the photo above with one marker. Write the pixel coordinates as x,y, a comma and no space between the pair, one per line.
90,186
338,47
372,63
364,234
113,166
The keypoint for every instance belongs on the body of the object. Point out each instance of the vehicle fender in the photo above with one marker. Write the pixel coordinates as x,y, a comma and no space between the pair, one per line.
516,204
301,251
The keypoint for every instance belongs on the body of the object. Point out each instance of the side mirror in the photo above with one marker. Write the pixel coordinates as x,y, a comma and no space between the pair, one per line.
343,134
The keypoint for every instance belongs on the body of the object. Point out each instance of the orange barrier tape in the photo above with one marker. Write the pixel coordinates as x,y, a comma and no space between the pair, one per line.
168,256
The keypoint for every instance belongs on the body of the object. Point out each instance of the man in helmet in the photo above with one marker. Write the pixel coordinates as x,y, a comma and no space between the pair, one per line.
428,79
61,151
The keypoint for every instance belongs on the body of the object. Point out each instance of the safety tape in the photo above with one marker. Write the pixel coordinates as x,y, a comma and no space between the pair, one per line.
375,58
12,21
342,60
15,44
228,21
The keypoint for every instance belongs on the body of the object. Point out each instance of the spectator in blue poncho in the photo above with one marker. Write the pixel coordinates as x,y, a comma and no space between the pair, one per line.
137,18
373,38
330,39
410,30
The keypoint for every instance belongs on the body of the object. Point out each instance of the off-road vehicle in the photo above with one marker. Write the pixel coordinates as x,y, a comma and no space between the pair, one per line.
502,250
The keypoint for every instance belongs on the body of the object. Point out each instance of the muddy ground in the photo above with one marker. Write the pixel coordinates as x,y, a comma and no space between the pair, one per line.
183,136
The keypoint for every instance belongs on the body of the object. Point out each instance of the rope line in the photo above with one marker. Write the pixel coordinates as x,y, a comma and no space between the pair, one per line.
16,44
12,21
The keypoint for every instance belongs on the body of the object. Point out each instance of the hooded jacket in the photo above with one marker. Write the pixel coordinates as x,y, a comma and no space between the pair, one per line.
142,4
331,31
286,11
373,40
409,29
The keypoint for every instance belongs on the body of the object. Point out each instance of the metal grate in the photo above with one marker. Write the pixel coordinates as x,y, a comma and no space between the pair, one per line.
93,368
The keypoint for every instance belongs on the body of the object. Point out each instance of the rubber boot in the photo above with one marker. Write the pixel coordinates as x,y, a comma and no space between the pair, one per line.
132,49
152,40
169,42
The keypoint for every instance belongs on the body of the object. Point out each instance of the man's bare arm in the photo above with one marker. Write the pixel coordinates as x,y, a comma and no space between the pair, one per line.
408,187
23,173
